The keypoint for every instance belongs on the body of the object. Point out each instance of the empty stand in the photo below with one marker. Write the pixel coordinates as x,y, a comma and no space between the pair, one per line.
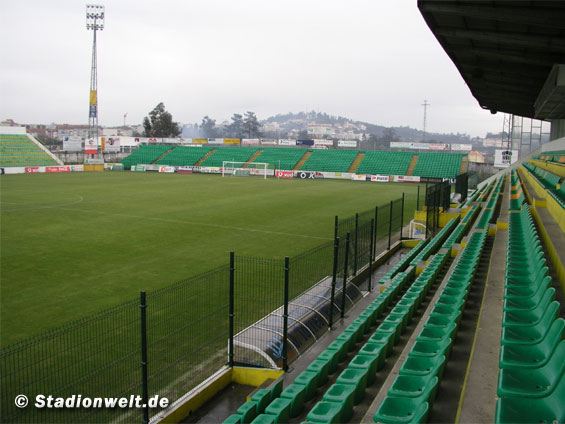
236,154
20,150
385,163
330,160
438,165
146,154
281,158
184,156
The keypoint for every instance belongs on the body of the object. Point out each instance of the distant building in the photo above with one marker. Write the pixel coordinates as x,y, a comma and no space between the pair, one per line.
320,130
493,141
9,123
476,157
271,127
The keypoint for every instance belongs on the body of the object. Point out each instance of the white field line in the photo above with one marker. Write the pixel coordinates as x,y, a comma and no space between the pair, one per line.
43,206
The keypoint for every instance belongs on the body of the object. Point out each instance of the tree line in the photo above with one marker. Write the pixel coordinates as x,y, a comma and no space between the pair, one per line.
159,123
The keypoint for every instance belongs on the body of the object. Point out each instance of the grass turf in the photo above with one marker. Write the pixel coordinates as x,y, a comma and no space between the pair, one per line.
73,244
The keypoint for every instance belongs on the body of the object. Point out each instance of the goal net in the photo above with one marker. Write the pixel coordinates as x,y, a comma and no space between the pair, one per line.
244,169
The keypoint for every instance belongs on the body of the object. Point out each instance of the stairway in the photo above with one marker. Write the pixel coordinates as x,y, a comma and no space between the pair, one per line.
413,161
252,158
163,155
464,162
206,156
302,160
356,162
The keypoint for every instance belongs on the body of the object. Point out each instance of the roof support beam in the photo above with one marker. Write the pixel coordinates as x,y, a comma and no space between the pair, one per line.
509,12
530,57
534,41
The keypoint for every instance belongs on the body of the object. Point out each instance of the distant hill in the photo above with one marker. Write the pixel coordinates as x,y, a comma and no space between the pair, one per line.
300,121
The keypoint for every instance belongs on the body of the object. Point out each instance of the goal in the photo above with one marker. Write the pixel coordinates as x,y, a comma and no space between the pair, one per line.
244,169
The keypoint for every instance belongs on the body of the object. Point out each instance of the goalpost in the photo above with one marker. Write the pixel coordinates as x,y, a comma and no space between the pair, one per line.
244,169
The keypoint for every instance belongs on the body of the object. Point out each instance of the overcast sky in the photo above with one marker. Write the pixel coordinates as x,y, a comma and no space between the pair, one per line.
367,60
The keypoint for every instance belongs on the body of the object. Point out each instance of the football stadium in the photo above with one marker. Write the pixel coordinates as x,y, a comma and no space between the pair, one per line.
279,282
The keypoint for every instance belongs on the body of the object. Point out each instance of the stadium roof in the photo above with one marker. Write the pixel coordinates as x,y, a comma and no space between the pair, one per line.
505,50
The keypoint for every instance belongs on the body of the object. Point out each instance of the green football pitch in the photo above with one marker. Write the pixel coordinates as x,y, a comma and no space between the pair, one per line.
73,244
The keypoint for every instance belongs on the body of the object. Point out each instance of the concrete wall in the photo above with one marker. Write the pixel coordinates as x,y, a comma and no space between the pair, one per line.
558,144
557,129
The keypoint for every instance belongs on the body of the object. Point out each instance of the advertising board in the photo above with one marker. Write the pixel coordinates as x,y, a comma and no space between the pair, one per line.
380,178
346,143
406,179
287,142
90,146
505,158
112,145
359,177
284,174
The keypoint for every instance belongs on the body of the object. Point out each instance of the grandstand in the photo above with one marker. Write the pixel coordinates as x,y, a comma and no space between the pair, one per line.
184,156
235,154
20,150
432,165
385,163
146,154
438,165
281,158
329,160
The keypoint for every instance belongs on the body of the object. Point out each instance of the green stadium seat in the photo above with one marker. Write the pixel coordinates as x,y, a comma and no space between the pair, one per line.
348,339
528,303
233,419
331,357
343,395
519,409
325,412
264,419
320,367
248,412
531,356
429,348
536,382
355,377
423,366
377,350
391,327
357,330
280,409
262,397
422,387
530,316
401,410
276,388
529,335
310,381
341,347
297,395
384,338
366,362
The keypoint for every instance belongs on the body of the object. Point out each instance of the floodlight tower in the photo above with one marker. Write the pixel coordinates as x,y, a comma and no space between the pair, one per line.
94,22
425,104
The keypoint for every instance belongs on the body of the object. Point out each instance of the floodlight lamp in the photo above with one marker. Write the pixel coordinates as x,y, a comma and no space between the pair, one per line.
94,16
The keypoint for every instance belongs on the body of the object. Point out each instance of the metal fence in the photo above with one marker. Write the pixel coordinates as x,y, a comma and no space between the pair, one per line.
186,333
437,199
170,340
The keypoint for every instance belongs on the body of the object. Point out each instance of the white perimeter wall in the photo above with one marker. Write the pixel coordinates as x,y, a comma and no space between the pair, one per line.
12,130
